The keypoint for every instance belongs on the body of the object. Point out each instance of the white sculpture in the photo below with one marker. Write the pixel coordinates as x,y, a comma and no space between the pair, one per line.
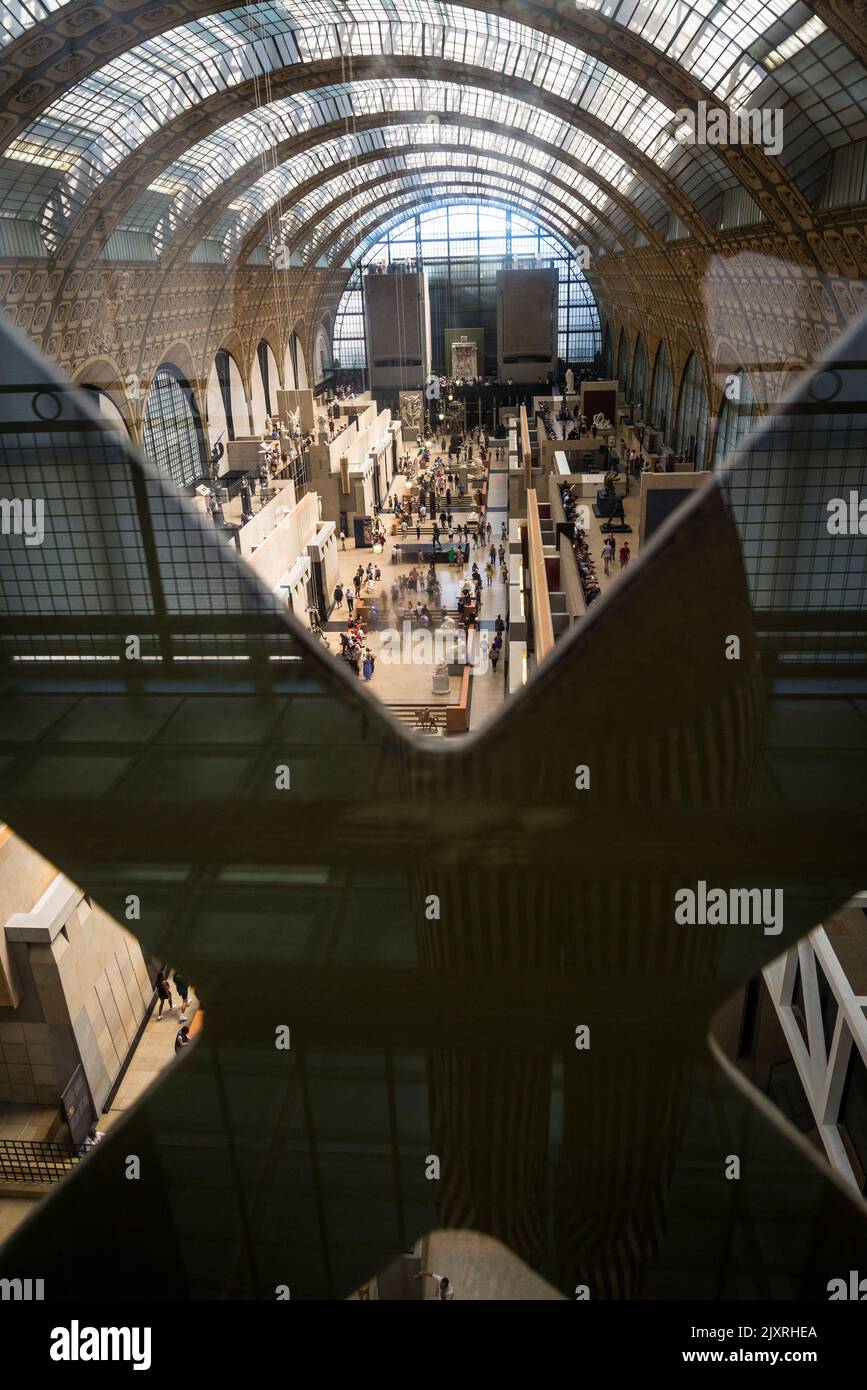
570,382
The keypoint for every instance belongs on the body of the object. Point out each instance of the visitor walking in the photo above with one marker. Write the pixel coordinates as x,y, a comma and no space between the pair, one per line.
184,991
445,1292
164,993
624,555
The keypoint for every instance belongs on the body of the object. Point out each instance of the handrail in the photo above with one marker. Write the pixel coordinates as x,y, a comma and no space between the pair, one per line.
526,451
543,627
35,1160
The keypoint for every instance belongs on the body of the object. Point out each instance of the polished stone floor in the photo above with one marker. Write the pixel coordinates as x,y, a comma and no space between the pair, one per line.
481,1269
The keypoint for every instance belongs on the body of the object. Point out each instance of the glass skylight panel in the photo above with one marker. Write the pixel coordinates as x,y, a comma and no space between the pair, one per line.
17,18
712,39
795,42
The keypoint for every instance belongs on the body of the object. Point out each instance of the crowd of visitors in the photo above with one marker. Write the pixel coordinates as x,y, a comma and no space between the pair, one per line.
581,548
436,491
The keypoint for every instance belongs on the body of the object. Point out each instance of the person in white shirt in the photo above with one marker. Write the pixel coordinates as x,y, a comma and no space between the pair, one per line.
445,1292
94,1137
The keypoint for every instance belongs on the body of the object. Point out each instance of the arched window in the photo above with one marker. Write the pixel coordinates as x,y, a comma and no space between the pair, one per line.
639,375
300,363
623,363
462,246
172,430
690,436
660,398
736,418
233,395
321,354
105,405
270,381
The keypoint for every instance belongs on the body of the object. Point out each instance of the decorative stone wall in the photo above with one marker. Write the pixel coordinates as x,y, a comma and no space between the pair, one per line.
113,324
755,301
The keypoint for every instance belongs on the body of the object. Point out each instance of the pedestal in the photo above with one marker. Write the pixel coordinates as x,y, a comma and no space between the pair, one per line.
440,684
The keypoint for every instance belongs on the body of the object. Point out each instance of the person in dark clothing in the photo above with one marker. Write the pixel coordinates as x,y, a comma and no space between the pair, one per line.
184,991
182,1037
164,993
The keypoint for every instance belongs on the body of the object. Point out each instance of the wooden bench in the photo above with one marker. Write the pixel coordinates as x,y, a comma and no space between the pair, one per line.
458,716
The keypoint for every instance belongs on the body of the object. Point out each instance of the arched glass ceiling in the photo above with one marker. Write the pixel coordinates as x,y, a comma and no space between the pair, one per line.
174,196
535,190
273,193
713,39
471,149
332,231
731,46
232,220
95,126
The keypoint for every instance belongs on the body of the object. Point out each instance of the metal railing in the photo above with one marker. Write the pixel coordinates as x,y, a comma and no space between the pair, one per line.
35,1160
